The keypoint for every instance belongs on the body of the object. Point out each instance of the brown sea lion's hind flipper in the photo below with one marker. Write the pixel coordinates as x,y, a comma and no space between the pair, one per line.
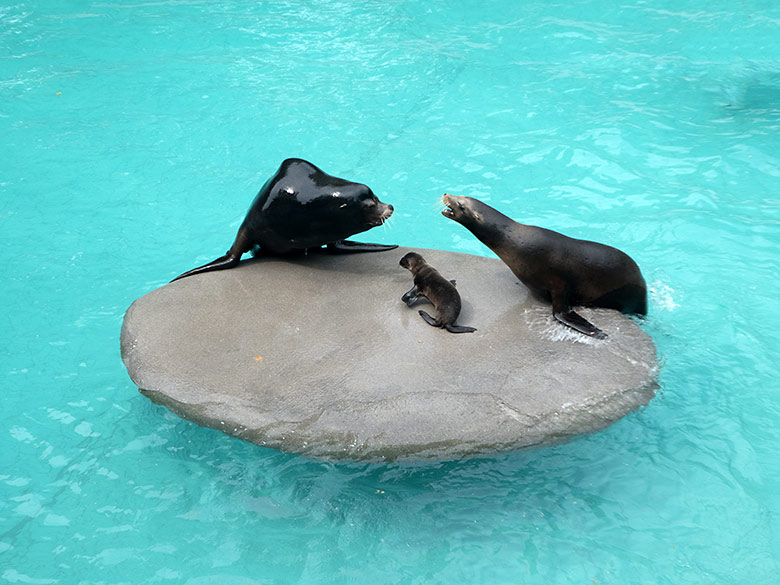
459,329
229,260
348,247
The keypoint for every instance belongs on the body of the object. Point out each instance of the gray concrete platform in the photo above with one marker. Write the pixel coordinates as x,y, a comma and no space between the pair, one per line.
318,355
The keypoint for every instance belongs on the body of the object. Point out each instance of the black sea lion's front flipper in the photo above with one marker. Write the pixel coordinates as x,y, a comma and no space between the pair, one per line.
459,329
348,247
579,323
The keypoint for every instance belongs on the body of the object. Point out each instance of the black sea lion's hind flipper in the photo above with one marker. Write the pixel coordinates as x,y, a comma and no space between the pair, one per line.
459,329
229,260
221,263
348,247
580,324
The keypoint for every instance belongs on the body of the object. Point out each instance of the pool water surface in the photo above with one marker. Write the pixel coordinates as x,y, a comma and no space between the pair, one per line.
133,138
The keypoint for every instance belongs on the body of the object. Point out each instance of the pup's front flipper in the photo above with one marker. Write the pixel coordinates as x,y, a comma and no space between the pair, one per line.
413,296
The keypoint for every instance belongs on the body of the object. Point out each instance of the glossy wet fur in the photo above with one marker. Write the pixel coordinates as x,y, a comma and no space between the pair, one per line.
431,286
561,270
301,207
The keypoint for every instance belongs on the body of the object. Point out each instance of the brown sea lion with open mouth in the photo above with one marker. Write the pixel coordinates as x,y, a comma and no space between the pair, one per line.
558,269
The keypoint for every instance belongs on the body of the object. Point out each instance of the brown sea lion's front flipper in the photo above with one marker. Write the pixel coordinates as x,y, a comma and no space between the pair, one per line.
348,247
563,313
459,329
579,323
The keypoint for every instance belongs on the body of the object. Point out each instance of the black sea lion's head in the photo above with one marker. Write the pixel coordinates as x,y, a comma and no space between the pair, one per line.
301,206
467,211
356,203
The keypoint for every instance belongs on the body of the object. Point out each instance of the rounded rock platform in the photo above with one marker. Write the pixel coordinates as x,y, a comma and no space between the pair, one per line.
318,355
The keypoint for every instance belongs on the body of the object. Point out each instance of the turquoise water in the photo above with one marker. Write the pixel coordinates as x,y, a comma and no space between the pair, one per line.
135,135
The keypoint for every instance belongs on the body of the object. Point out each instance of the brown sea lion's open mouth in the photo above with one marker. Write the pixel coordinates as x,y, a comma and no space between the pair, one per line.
447,212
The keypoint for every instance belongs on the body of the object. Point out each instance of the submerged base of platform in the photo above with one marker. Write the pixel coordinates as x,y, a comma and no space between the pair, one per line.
318,355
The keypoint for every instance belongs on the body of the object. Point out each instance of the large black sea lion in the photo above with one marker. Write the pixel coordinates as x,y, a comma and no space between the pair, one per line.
300,207
564,271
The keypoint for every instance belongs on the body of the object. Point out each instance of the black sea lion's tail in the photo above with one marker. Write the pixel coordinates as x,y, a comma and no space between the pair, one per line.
229,260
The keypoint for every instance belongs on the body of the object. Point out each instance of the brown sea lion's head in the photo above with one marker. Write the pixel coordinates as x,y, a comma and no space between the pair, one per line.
466,211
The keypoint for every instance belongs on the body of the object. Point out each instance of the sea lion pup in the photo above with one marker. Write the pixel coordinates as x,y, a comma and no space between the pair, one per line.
557,269
431,286
300,207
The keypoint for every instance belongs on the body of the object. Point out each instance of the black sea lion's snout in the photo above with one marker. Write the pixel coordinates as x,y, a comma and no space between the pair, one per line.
385,210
